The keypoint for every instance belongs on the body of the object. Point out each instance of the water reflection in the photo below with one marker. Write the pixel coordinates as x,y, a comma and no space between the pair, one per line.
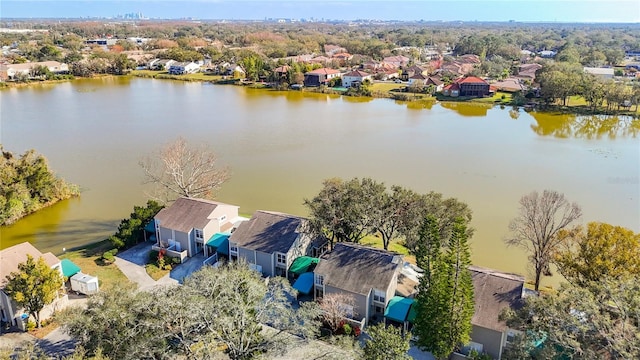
585,127
467,108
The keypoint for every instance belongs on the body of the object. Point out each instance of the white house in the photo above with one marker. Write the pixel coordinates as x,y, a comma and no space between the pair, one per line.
183,68
10,258
10,71
355,77
602,73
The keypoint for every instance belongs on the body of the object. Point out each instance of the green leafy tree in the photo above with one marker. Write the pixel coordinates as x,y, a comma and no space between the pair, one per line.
445,301
597,252
535,229
131,230
599,321
34,286
393,213
386,343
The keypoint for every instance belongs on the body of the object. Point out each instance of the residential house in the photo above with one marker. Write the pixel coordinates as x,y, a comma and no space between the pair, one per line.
547,54
10,258
162,64
234,70
271,241
10,71
437,83
452,90
367,274
281,73
342,57
185,226
322,60
396,61
493,293
102,42
602,73
182,68
408,72
355,78
320,76
387,74
510,85
472,86
528,71
418,79
331,50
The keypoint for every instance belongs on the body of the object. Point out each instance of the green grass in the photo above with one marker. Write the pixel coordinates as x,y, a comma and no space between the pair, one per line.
155,272
88,259
386,86
395,246
496,98
165,75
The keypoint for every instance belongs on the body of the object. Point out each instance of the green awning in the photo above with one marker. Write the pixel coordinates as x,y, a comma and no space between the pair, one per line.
304,284
413,312
303,264
220,241
398,309
69,268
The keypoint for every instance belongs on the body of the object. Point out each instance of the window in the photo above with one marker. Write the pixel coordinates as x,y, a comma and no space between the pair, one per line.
319,279
198,233
379,296
281,259
379,309
223,218
511,336
233,249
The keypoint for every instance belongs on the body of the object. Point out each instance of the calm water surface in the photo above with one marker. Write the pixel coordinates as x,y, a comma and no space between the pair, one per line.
281,146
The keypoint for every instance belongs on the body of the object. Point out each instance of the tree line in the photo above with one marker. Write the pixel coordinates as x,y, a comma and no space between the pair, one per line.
27,185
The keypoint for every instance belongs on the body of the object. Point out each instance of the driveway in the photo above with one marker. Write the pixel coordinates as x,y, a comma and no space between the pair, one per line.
131,262
57,344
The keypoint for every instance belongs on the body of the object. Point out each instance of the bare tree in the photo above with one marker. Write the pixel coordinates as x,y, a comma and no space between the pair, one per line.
336,308
180,169
535,228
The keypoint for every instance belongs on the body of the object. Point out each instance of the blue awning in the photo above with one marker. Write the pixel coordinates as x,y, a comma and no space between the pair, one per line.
304,284
69,268
151,226
220,241
398,309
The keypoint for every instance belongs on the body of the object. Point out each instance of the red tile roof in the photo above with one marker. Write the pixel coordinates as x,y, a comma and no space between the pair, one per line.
324,71
471,79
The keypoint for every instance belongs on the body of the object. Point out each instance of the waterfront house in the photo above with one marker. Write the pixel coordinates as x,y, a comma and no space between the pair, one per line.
411,71
271,241
162,64
418,79
494,292
11,71
528,71
355,78
10,258
468,86
510,85
320,76
182,68
367,274
186,226
437,83
452,90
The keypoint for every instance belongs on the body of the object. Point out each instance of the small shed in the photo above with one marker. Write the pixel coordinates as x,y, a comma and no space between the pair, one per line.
84,284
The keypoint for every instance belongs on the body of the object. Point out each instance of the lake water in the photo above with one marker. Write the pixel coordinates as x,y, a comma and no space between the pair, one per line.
281,145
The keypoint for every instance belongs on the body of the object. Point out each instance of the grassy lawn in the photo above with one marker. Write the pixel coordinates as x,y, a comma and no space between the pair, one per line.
384,87
88,259
395,246
155,272
186,77
497,98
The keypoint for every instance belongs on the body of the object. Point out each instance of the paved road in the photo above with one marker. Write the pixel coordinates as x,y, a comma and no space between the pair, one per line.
57,344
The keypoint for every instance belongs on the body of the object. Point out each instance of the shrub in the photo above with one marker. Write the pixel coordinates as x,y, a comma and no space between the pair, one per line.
347,329
153,256
108,257
31,325
116,242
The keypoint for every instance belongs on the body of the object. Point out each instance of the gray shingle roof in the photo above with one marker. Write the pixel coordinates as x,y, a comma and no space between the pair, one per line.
268,232
358,268
493,292
187,213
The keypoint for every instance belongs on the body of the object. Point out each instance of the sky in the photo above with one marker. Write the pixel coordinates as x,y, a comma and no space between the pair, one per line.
626,11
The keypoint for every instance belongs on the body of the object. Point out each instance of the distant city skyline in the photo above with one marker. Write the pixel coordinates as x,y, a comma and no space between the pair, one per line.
619,11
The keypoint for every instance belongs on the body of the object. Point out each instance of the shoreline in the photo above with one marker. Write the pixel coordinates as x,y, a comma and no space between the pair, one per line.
579,110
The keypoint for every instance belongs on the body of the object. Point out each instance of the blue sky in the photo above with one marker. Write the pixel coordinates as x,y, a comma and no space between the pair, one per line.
428,10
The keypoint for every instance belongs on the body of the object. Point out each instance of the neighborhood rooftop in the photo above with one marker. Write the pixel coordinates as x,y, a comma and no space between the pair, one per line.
17,254
268,232
493,292
186,214
357,268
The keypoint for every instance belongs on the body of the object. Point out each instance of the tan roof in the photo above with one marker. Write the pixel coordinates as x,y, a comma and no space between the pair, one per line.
17,254
27,66
357,73
493,292
324,71
268,232
187,213
357,268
